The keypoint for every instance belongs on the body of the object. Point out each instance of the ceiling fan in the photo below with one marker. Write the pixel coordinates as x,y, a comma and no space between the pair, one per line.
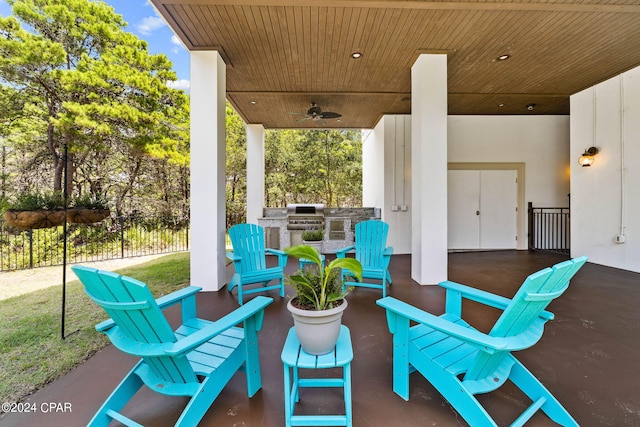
316,113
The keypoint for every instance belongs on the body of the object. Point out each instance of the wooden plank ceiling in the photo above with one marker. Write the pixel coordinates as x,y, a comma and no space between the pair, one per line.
283,55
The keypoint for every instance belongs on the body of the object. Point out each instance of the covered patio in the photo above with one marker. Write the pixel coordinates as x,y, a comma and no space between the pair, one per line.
436,87
587,356
433,80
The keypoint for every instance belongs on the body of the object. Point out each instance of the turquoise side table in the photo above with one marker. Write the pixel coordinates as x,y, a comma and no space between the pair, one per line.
294,358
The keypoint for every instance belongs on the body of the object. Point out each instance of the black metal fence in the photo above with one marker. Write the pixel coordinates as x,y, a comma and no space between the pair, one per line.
549,229
119,237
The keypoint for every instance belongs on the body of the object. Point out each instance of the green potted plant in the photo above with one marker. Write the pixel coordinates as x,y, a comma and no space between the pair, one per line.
313,238
320,298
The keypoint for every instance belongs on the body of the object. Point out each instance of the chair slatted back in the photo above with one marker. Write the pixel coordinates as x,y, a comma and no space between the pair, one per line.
248,242
132,307
370,242
534,296
522,314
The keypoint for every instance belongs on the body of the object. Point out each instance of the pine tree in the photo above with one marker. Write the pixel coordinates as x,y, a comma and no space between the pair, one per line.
94,87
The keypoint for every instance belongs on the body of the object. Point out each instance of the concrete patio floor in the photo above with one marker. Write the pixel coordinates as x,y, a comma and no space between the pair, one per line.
587,356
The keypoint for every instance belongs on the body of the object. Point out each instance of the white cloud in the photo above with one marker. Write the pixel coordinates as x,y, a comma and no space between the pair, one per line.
180,84
176,41
178,46
149,24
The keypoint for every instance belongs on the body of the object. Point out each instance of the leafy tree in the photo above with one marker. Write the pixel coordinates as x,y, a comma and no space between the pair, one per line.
95,89
236,168
71,76
279,169
318,166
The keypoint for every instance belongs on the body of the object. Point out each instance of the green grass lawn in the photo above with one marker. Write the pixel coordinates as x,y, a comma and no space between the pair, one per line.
32,351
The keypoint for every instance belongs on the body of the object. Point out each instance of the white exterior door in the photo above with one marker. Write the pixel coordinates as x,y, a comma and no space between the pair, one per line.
482,209
463,207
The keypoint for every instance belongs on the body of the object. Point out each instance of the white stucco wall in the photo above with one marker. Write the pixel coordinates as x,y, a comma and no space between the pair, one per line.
541,142
386,159
606,196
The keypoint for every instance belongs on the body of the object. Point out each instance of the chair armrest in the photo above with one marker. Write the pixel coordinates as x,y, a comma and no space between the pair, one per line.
163,302
105,325
277,252
340,253
386,256
396,308
282,256
457,290
255,307
122,342
233,257
175,297
474,294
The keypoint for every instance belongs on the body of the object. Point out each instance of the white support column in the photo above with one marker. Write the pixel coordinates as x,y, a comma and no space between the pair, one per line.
208,92
255,172
429,169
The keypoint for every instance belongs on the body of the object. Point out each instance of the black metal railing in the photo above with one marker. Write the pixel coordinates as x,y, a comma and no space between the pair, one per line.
549,229
114,237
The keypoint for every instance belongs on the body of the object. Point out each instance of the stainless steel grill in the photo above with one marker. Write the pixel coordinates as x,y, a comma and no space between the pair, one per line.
305,217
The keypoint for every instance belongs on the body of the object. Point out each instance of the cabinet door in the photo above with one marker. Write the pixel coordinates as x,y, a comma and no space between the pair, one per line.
463,204
498,215
482,209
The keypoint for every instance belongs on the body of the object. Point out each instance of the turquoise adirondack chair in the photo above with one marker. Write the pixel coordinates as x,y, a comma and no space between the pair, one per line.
250,261
197,360
461,362
373,253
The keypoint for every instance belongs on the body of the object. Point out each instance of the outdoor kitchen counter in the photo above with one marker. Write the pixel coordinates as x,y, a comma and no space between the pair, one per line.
338,227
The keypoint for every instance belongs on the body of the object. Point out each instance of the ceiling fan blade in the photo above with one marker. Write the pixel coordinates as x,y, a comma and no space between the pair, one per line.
315,113
330,115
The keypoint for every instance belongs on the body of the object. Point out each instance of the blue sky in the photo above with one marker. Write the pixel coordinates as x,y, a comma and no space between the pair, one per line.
144,22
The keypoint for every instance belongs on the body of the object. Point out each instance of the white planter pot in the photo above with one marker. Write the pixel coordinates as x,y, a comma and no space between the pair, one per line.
314,244
317,331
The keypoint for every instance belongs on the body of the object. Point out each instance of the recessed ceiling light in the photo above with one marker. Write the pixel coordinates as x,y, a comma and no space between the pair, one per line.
530,107
252,102
356,55
504,57
501,105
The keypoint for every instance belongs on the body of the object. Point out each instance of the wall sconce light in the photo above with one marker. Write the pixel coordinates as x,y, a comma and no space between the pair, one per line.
587,157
